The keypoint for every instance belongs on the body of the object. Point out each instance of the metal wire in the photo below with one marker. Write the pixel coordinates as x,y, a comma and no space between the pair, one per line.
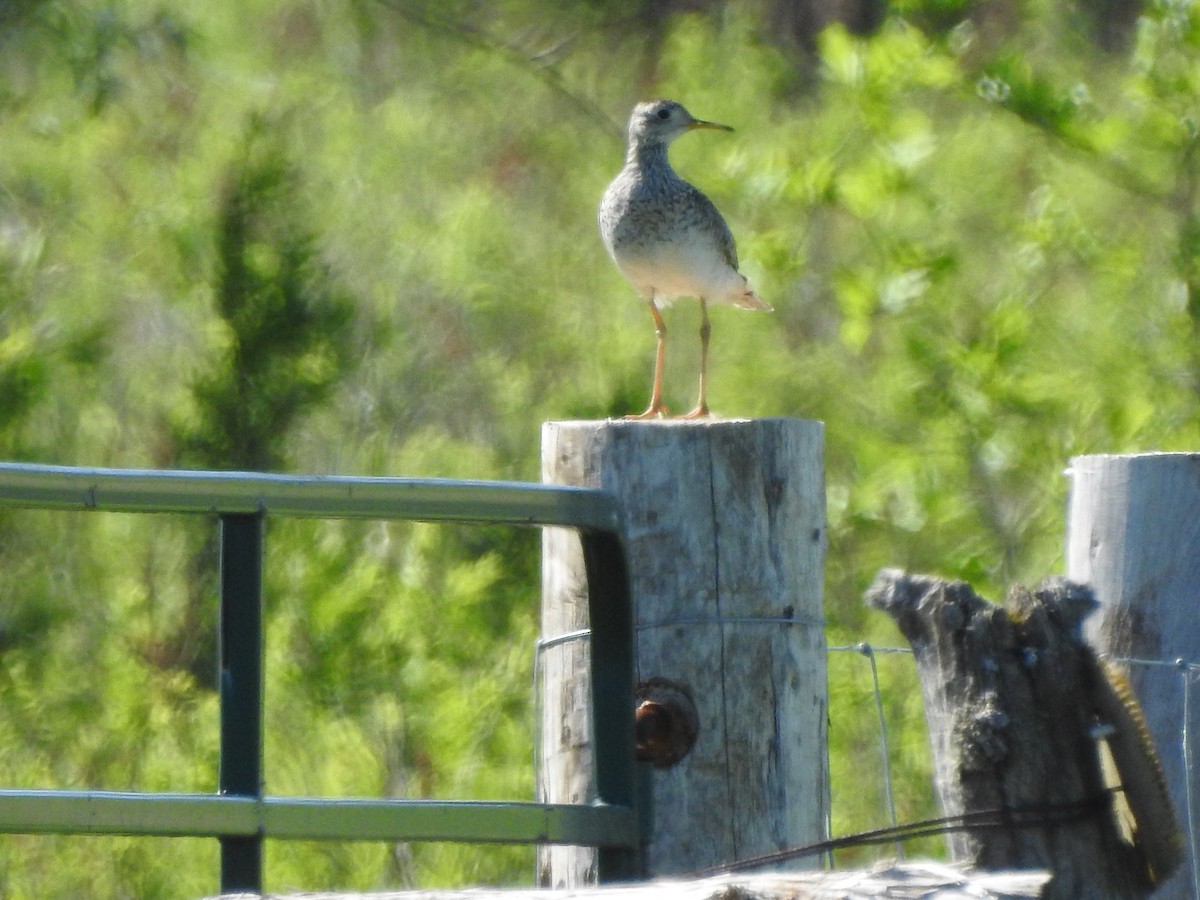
1182,665
734,620
1185,671
854,648
1188,671
869,652
585,633
1008,817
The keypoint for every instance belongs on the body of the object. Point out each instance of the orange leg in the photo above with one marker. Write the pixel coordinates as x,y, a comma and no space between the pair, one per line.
701,409
657,409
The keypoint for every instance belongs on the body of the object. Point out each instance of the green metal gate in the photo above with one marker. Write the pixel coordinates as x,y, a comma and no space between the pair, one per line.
239,814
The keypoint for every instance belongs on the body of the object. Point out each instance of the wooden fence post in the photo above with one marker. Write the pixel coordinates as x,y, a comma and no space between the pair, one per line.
1134,536
726,530
1016,703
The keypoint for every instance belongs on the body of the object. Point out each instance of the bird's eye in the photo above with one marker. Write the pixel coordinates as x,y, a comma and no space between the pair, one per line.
664,114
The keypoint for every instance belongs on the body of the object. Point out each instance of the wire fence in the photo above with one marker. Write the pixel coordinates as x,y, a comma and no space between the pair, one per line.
869,653
1186,672
876,720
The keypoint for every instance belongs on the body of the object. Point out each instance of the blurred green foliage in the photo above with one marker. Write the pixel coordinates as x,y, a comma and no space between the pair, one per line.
359,237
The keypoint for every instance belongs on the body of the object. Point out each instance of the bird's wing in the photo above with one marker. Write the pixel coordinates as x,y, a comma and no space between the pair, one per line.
728,247
714,220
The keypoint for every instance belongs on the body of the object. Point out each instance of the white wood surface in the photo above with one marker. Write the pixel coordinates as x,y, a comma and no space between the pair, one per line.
726,527
1134,535
897,881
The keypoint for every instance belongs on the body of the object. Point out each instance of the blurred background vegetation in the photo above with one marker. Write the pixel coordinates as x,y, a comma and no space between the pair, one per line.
358,237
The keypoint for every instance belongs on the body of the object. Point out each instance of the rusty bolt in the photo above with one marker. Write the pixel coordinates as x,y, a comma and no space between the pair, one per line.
667,722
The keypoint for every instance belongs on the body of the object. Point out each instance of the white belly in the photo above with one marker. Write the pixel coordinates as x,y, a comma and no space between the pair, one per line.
681,270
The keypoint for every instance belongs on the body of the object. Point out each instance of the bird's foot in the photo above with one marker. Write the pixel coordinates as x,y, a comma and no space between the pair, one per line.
700,412
656,410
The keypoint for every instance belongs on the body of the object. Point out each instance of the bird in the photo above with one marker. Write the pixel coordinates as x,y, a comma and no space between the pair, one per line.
667,238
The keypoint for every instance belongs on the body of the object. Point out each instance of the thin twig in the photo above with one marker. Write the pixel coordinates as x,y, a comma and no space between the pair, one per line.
535,66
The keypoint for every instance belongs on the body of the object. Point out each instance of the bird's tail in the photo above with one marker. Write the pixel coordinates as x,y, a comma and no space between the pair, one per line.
751,300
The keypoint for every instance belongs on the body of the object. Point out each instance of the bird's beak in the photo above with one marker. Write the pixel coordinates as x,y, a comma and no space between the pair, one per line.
700,123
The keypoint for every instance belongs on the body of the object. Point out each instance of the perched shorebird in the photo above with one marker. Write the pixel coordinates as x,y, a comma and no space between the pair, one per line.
668,239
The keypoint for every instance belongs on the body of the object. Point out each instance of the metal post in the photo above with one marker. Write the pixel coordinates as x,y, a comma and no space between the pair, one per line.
610,608
241,650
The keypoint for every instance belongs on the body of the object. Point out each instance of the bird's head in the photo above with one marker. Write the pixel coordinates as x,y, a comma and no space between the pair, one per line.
661,121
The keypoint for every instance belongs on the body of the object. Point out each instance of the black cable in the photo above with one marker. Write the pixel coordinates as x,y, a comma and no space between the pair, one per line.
1033,816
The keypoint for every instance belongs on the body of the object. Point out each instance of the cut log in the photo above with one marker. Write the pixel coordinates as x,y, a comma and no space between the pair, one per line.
726,542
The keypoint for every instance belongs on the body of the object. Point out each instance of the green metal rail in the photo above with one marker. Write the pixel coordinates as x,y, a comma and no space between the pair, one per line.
239,814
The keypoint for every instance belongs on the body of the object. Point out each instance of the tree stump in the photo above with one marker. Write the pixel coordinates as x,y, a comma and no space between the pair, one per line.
1015,702
726,539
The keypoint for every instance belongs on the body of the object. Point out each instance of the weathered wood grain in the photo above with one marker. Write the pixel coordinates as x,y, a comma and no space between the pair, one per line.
903,881
1134,536
726,527
1013,697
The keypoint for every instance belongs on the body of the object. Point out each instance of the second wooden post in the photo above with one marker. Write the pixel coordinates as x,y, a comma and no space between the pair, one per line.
1133,536
726,529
